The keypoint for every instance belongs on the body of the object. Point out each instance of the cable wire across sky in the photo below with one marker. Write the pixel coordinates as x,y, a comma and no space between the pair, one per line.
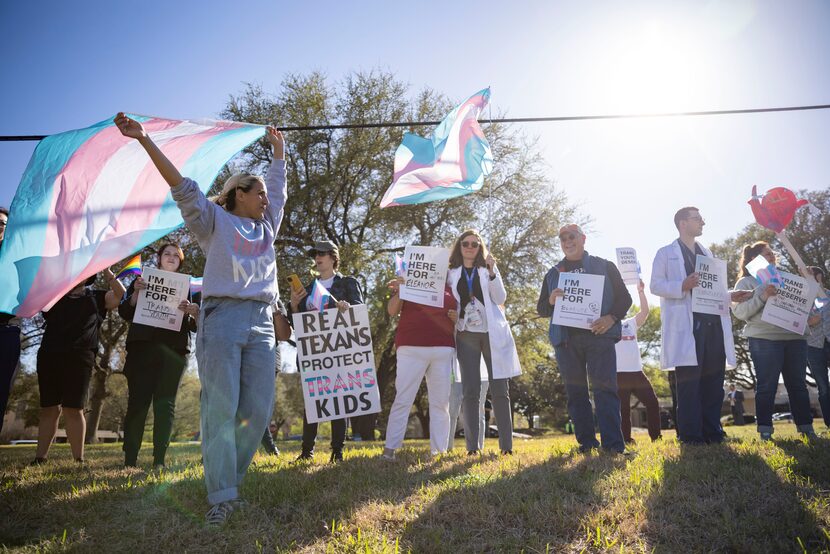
385,124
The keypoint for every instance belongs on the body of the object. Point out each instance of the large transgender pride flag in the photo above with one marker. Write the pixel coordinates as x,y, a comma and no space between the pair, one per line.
453,162
92,197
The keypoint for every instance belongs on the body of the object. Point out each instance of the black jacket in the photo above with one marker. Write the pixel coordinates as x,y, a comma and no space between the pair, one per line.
177,340
343,288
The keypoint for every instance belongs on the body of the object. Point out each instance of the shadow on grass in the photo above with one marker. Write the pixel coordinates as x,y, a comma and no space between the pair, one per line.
104,506
719,499
540,506
811,460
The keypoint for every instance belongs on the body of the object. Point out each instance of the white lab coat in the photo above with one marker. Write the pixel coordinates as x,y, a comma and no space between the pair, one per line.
667,275
502,345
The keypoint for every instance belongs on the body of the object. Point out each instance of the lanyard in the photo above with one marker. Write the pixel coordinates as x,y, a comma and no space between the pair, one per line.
470,277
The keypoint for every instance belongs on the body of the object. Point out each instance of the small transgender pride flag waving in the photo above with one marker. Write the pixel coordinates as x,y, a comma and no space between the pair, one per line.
452,162
400,266
90,195
195,285
319,296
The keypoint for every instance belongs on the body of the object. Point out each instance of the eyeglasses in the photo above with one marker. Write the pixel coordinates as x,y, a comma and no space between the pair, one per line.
696,218
470,244
568,237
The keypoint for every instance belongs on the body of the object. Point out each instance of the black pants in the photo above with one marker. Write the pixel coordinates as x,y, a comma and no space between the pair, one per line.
9,355
700,388
338,435
153,373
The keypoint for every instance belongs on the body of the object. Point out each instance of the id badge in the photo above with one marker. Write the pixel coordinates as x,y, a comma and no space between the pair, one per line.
473,314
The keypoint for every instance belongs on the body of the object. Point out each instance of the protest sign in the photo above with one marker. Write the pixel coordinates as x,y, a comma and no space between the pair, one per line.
628,265
790,308
425,275
158,304
710,296
582,302
336,363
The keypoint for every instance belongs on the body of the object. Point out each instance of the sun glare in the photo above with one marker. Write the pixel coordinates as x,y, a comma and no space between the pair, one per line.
654,69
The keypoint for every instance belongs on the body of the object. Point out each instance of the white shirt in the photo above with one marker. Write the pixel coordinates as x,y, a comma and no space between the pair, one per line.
628,349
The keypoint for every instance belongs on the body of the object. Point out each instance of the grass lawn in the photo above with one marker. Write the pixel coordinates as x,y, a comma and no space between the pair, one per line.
743,496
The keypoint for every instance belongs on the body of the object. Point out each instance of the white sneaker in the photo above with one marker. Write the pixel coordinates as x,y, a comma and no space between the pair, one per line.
388,454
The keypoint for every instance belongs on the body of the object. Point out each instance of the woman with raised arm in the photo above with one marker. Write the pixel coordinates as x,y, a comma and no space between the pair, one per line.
156,358
425,348
66,358
482,330
630,376
235,346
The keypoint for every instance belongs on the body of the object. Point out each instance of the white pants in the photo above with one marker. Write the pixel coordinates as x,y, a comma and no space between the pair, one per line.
456,395
415,362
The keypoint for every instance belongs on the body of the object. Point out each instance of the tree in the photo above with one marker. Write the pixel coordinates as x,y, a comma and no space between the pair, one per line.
337,178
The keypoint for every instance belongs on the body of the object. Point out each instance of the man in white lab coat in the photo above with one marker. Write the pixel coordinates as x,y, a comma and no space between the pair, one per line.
698,346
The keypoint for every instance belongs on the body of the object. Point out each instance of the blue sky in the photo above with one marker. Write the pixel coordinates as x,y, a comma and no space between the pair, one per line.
66,65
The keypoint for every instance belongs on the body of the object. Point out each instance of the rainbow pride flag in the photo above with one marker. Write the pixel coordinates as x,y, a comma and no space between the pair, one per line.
89,195
133,267
319,296
452,162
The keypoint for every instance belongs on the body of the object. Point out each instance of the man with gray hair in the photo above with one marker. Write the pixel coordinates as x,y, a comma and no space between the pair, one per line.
588,355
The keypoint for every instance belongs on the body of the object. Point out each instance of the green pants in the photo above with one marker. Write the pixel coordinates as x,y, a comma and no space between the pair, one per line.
153,372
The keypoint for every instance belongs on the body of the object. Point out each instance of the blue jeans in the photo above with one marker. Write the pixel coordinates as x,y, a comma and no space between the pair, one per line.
235,349
587,358
700,387
818,360
772,359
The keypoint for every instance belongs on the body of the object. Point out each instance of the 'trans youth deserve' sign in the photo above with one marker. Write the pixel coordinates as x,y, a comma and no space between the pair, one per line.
790,308
158,304
336,363
628,265
582,302
710,296
426,275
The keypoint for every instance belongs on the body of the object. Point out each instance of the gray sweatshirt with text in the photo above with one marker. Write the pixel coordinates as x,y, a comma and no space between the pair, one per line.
239,251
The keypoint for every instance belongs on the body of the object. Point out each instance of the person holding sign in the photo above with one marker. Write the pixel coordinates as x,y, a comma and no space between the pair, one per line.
66,358
775,352
697,345
588,354
425,347
482,330
630,376
235,346
344,291
156,358
818,343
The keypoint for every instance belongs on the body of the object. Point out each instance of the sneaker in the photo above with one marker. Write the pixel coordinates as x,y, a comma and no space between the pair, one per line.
239,503
219,513
336,457
473,452
766,436
388,454
506,452
304,457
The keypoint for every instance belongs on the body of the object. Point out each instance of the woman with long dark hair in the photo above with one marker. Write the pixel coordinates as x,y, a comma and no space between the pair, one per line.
155,363
482,331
